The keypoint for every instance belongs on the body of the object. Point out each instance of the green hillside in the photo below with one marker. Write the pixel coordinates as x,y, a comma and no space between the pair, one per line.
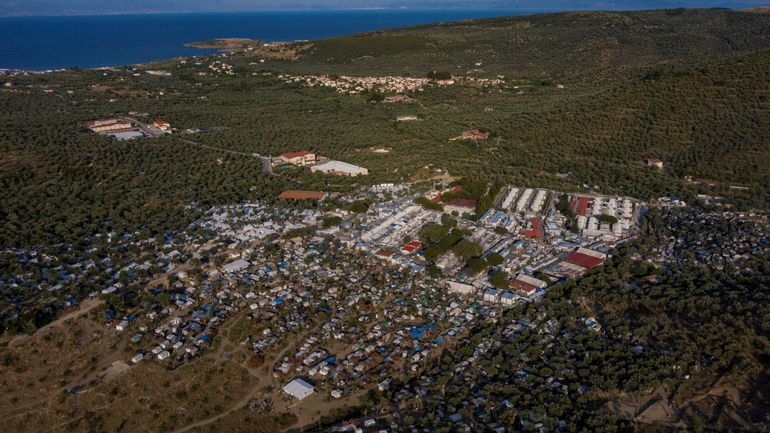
566,45
686,86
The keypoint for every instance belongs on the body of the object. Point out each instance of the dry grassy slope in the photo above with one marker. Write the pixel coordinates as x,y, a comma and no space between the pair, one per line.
57,357
37,371
145,398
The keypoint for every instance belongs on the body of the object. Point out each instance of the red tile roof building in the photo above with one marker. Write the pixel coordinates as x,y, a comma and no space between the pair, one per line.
580,205
162,125
302,195
536,232
460,205
586,258
411,247
301,158
523,287
383,254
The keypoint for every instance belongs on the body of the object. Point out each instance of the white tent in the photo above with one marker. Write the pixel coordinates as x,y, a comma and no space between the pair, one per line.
298,389
236,266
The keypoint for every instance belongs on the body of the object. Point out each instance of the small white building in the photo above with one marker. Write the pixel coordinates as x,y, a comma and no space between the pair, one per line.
298,389
491,295
461,288
164,355
507,298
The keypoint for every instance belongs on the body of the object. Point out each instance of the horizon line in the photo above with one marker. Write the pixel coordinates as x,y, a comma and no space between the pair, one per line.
369,9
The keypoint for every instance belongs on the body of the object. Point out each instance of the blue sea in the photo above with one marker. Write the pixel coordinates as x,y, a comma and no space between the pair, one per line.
43,43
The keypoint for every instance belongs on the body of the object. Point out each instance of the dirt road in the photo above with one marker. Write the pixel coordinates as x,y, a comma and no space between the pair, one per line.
84,308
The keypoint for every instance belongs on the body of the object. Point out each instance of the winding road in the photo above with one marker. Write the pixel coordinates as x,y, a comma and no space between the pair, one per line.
267,166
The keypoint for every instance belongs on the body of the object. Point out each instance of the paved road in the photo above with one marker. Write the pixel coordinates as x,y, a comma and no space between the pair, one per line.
267,166
147,130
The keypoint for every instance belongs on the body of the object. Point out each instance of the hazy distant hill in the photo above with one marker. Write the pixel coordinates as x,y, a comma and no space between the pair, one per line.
89,7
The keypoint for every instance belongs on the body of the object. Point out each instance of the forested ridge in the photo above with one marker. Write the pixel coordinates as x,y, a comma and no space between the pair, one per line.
576,46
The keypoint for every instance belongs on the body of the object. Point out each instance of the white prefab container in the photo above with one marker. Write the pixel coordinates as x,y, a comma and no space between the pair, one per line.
537,203
509,198
461,288
523,200
120,327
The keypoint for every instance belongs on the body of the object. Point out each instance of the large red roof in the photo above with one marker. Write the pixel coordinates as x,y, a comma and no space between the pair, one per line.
462,202
582,206
292,155
384,254
584,260
523,287
411,247
536,232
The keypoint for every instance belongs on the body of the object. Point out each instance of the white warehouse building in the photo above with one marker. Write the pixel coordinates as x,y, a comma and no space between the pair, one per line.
340,168
298,389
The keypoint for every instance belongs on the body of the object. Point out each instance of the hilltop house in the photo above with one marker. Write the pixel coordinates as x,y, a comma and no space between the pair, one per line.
656,163
162,125
472,134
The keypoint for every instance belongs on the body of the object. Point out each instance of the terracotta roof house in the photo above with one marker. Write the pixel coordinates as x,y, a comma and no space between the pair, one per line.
301,158
162,125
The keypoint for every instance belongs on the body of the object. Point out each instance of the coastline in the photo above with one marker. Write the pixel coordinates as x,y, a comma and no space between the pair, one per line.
88,42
